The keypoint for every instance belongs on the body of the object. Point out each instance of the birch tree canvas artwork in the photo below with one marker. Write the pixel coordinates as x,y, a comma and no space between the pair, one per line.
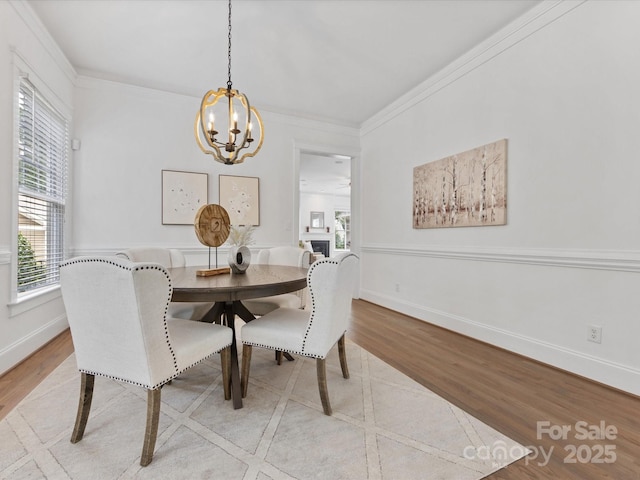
463,190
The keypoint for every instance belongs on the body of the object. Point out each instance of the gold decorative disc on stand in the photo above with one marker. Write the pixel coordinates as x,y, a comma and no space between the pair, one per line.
212,227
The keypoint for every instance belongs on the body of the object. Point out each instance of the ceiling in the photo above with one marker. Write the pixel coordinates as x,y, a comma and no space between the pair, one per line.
325,174
336,60
340,61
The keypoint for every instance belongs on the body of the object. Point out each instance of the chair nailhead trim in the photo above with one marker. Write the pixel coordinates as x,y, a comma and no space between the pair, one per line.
132,268
157,385
295,352
313,300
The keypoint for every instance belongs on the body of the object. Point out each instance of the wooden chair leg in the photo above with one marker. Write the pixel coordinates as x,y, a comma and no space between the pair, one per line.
225,362
246,366
280,354
322,385
151,432
343,357
84,406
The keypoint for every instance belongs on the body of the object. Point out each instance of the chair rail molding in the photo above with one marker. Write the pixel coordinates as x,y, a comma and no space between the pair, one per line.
613,260
222,250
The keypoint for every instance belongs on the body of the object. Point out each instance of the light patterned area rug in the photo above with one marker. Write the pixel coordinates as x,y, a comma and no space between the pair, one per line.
384,426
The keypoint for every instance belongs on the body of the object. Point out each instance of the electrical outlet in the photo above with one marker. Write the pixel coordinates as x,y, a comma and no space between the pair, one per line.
397,287
595,334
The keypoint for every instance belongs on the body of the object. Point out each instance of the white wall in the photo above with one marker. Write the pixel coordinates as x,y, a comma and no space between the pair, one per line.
27,324
562,87
129,135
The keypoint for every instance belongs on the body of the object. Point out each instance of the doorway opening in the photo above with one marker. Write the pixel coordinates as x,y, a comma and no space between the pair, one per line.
325,189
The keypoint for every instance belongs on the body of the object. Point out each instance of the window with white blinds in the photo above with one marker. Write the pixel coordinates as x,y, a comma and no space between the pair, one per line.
42,176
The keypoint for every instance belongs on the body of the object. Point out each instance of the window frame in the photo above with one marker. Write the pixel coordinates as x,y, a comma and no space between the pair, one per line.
347,231
24,301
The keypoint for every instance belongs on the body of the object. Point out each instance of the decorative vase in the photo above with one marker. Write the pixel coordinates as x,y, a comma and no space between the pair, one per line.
239,258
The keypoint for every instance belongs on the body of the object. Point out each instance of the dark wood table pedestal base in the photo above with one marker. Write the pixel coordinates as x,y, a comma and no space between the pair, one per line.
227,293
224,313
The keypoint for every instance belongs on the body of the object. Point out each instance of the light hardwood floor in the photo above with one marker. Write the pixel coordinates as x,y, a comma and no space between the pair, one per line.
509,392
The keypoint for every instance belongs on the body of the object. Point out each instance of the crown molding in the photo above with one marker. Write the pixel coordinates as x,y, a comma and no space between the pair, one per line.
96,83
102,84
532,21
33,22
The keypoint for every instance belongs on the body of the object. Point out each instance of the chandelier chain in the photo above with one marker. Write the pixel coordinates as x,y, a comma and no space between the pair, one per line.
229,50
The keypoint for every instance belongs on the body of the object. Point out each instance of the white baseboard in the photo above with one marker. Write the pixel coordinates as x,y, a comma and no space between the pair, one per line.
13,354
615,375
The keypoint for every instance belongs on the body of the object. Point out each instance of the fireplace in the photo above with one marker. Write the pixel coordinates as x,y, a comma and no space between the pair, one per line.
321,246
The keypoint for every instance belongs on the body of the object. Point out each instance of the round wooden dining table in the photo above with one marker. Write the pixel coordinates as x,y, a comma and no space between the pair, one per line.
227,292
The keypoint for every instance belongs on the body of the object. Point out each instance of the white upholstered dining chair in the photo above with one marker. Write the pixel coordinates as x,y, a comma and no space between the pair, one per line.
168,258
313,333
117,312
291,256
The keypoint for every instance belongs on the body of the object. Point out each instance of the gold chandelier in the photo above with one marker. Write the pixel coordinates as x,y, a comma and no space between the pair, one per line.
234,140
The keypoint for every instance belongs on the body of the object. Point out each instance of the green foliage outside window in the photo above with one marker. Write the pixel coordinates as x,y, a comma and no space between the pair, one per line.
339,238
342,230
30,270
